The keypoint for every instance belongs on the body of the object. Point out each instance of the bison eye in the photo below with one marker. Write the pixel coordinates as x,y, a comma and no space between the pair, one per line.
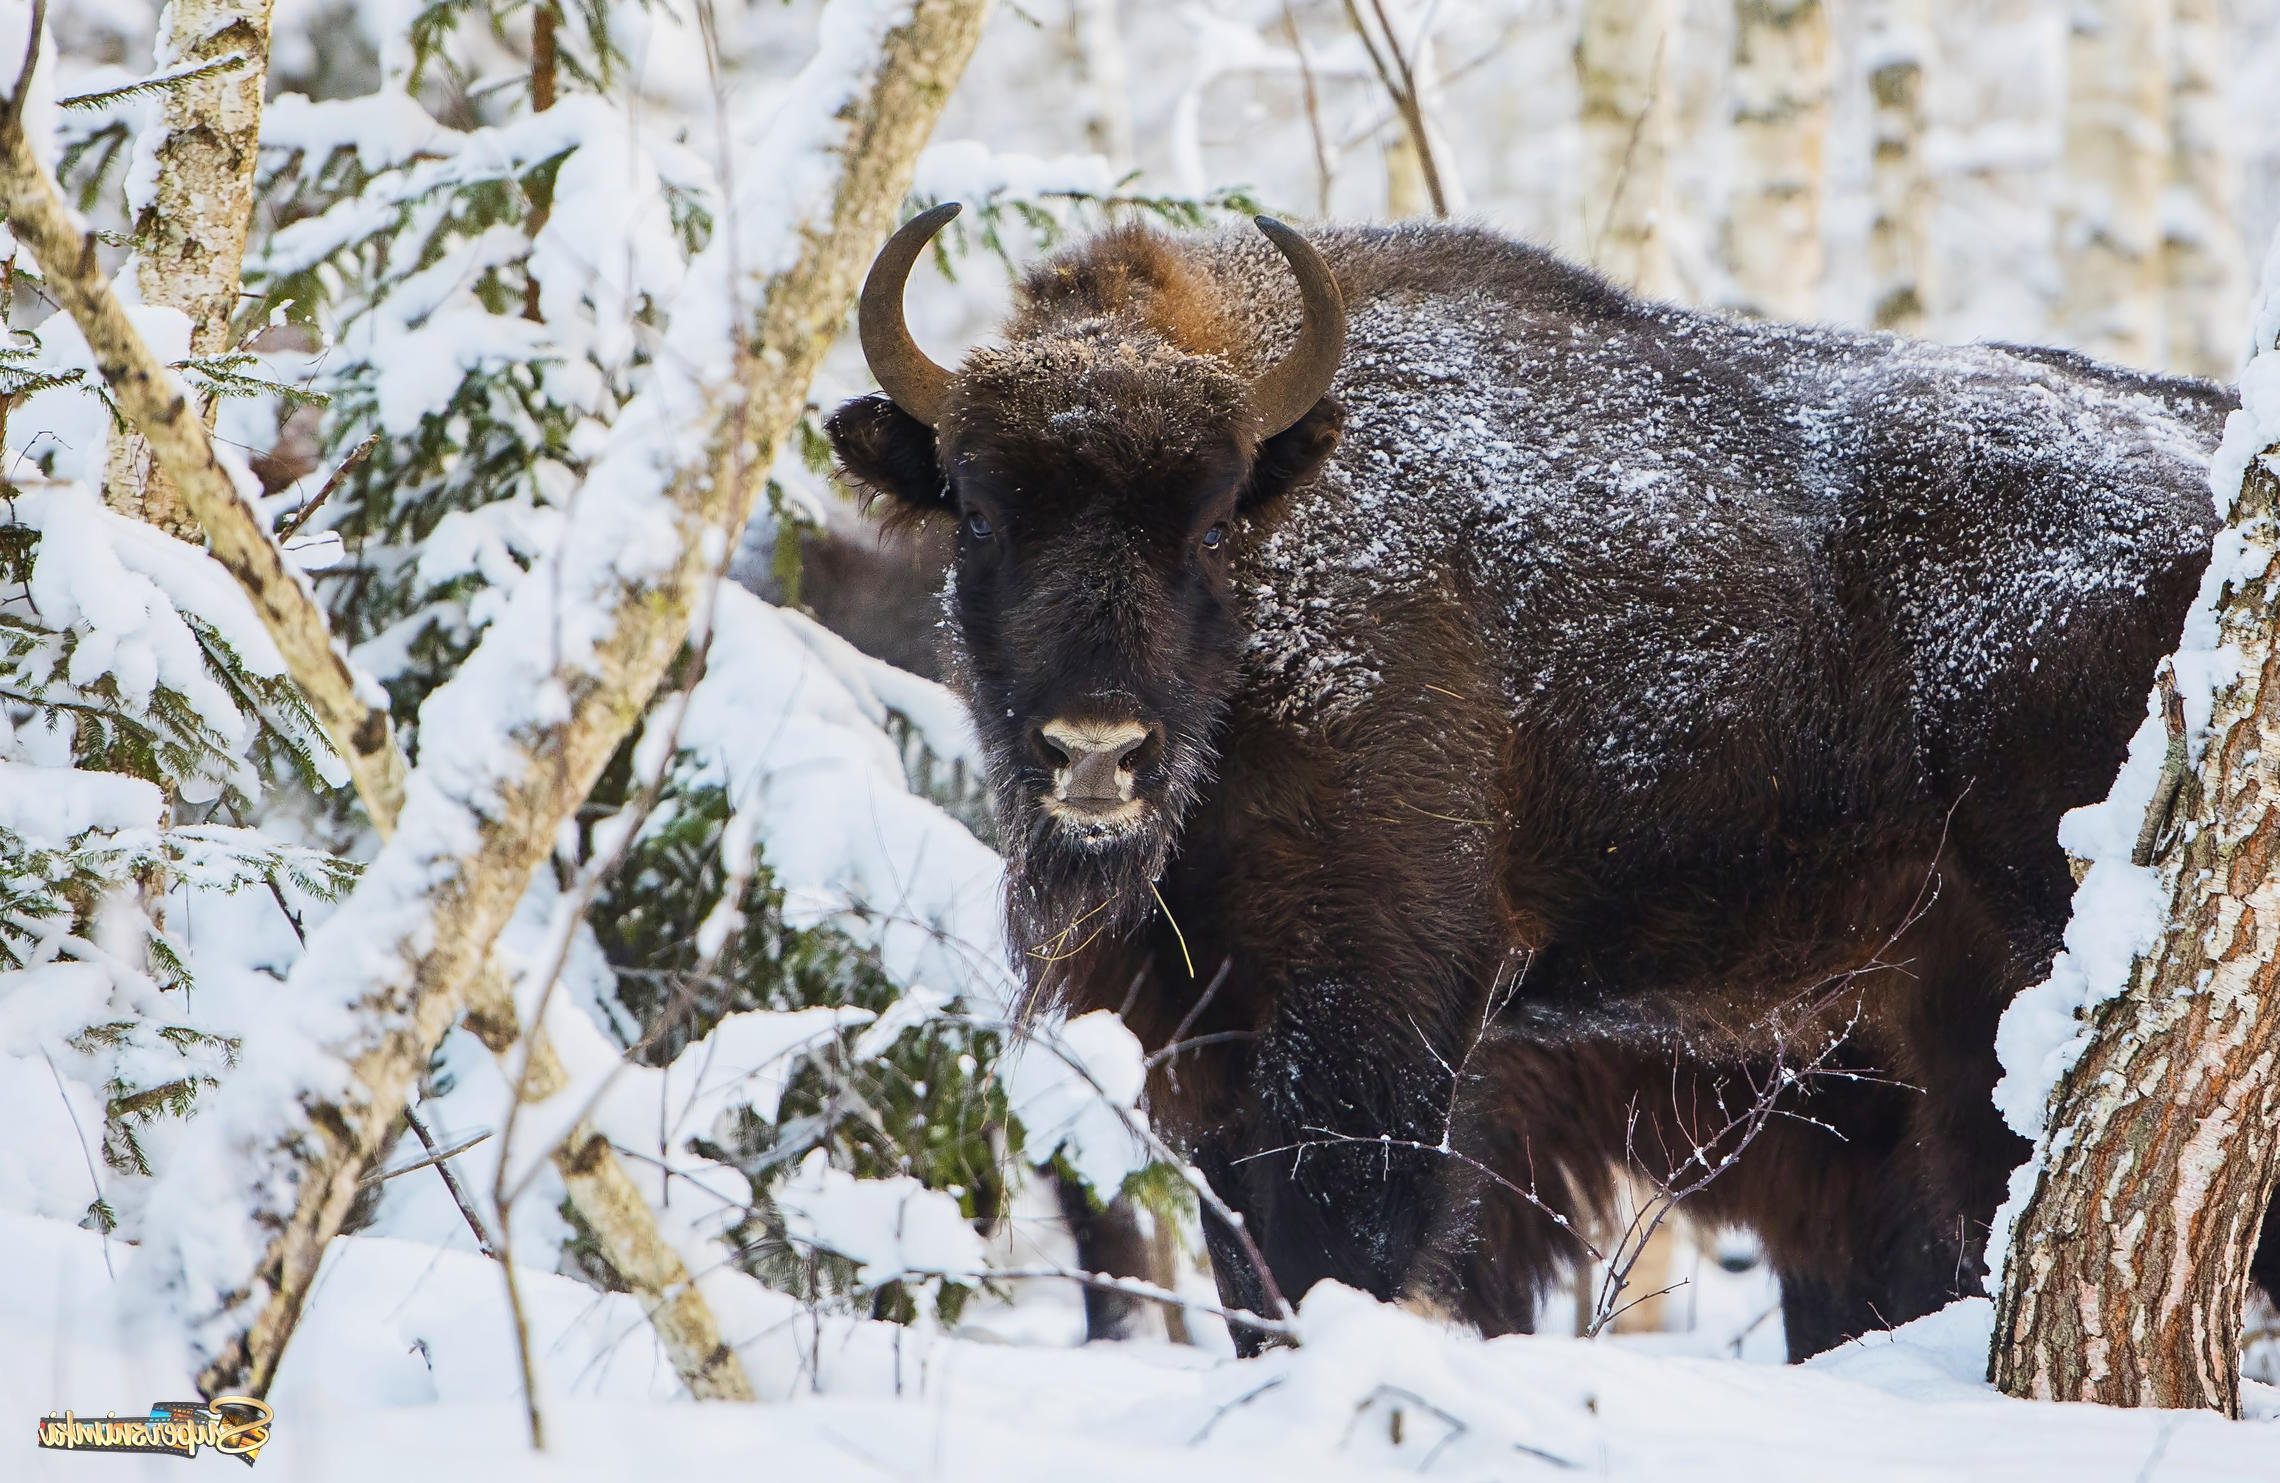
1215,537
978,526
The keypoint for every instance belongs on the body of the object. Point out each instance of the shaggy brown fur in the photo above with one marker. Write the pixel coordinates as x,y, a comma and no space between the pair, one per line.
1595,707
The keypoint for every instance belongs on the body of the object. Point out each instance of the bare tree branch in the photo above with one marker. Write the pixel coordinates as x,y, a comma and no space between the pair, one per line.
1394,70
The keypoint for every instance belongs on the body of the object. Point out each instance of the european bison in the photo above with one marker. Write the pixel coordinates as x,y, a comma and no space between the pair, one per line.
1487,718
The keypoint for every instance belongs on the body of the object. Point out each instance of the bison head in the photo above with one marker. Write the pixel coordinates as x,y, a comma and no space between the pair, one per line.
1105,467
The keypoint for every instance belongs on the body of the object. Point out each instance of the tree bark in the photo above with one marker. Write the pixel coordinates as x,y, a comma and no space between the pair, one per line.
427,912
2125,1276
1780,123
190,235
2113,169
1623,78
2204,264
1898,34
1104,99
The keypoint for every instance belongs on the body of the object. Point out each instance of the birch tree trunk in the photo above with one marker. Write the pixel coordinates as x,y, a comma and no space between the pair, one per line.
1622,64
2113,168
190,234
1096,50
2125,1275
1897,39
1780,123
2204,266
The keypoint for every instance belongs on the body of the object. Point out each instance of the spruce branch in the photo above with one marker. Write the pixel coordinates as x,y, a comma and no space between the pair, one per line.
155,84
226,376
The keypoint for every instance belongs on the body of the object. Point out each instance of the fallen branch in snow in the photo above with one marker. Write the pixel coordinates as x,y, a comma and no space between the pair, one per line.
556,683
1133,1287
360,731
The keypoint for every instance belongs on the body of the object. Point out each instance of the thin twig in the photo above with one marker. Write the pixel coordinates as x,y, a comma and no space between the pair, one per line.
442,1161
1311,96
1401,85
524,1355
85,1153
433,1156
348,465
23,90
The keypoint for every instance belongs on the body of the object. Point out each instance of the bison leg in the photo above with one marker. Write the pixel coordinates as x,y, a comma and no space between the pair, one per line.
1332,1165
1110,1243
2264,1267
1862,1212
1538,1140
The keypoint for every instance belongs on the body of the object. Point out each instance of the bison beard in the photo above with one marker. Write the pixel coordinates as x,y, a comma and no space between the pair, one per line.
1571,711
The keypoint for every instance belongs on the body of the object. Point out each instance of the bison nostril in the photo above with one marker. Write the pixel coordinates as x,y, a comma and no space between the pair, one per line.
1142,751
1095,760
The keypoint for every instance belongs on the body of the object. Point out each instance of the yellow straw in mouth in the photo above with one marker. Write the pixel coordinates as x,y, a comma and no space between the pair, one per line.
1176,932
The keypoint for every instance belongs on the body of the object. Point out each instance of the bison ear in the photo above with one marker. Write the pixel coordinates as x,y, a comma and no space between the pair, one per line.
1292,456
884,451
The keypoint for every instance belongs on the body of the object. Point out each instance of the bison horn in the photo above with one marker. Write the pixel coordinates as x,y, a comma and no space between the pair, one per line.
905,373
1291,387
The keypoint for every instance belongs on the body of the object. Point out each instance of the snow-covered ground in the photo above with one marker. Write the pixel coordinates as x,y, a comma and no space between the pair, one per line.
405,1365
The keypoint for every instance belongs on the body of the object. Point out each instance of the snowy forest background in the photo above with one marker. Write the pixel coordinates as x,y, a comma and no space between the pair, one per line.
763,956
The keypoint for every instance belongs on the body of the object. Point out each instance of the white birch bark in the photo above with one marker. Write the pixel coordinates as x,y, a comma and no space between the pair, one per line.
1623,65
1104,97
190,232
2122,1281
2113,168
1780,128
1405,193
1897,40
2204,265
556,683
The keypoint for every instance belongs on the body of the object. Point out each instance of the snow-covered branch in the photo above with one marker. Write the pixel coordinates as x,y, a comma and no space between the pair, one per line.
515,741
217,494
359,728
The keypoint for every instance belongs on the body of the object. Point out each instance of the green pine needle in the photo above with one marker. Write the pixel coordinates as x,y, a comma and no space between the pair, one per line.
155,84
